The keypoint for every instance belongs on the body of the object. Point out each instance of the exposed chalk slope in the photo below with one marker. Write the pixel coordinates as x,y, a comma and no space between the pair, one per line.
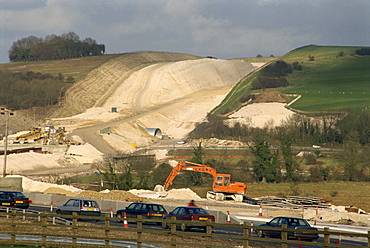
100,83
164,82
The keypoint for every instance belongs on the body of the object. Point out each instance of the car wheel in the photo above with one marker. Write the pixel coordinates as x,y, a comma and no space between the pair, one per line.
184,227
165,225
119,216
260,233
58,212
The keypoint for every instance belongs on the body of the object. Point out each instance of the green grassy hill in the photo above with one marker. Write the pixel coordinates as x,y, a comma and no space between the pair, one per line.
329,83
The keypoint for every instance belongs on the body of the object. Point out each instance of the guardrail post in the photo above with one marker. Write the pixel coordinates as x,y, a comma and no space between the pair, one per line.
284,236
326,237
106,231
245,234
74,229
173,232
44,227
209,233
139,225
13,226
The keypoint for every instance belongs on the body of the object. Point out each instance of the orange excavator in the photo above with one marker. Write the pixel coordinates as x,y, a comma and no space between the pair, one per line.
222,186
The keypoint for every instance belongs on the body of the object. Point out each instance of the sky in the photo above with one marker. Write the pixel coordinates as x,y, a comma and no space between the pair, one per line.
224,29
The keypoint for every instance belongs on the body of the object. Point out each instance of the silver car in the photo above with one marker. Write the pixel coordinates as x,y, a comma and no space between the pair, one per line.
83,207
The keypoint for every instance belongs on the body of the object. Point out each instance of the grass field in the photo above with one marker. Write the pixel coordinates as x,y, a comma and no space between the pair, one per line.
77,68
329,83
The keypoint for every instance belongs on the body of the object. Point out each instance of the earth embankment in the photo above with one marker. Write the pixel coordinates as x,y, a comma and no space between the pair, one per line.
101,82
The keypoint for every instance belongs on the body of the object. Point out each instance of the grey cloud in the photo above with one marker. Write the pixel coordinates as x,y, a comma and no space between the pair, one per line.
221,28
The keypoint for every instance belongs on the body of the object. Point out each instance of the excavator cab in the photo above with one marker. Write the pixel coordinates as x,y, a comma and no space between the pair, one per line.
222,180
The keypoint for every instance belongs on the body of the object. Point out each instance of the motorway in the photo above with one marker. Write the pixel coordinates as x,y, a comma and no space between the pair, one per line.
350,241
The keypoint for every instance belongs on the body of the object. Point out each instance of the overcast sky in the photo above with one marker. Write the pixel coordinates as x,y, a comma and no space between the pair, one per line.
220,28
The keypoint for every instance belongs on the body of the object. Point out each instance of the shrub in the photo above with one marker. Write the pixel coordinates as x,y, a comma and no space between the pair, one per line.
333,193
309,159
268,82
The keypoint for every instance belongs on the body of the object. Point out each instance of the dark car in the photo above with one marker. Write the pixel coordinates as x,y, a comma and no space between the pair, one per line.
189,214
14,199
6,201
83,207
291,222
146,210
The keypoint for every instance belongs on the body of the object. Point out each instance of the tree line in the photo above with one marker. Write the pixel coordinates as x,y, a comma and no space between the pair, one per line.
54,47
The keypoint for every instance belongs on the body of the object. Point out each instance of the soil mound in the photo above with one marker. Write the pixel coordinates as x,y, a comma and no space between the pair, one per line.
271,96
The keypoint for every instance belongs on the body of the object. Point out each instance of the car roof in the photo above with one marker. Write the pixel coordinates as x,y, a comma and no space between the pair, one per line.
284,217
81,199
189,207
146,203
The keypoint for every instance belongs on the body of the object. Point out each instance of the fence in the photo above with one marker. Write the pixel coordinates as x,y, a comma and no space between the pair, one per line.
42,229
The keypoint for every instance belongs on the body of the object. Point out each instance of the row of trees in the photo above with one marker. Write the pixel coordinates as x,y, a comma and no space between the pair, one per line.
268,165
29,89
54,47
302,130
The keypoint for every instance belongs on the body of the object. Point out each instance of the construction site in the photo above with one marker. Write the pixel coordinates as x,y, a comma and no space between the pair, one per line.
151,104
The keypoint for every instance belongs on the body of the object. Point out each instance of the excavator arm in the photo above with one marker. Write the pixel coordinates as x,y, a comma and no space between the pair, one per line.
181,166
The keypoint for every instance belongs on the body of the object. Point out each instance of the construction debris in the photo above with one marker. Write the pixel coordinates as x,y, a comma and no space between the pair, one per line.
294,202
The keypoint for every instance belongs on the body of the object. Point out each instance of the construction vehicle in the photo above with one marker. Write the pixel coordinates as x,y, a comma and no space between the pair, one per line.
29,136
222,186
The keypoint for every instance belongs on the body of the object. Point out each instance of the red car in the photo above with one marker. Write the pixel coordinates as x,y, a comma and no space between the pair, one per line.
190,214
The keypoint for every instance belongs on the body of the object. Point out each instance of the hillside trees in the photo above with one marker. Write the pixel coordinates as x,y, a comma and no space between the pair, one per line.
274,75
54,47
29,89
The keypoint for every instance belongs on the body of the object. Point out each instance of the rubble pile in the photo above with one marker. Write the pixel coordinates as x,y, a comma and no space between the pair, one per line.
114,195
214,142
182,194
